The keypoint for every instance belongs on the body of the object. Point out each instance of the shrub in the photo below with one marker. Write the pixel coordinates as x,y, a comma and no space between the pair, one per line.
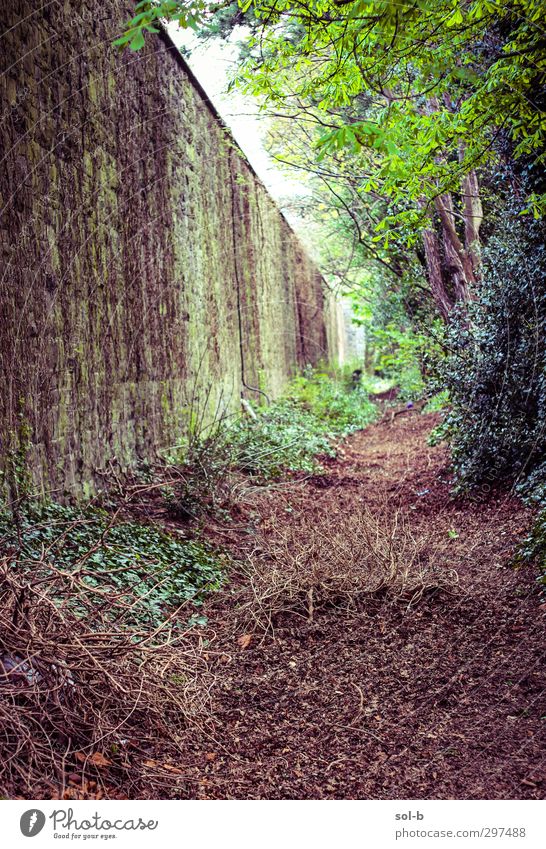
495,374
283,437
337,405
289,435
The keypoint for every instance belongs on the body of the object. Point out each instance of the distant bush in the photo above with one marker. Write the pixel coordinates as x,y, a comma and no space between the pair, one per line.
283,437
291,433
338,405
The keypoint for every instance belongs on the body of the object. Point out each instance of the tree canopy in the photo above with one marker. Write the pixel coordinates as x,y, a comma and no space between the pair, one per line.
447,83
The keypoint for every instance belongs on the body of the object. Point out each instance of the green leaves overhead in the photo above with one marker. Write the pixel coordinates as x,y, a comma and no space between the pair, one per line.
149,13
447,80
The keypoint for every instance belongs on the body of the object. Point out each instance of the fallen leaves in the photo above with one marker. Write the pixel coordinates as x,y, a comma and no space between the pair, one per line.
97,759
245,640
169,767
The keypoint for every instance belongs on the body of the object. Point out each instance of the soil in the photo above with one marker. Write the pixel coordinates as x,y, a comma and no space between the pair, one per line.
439,700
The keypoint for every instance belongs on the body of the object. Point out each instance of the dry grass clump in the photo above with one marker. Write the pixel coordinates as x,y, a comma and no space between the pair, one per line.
85,702
339,559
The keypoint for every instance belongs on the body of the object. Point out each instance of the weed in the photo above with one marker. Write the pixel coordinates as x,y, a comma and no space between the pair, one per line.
313,563
533,549
337,405
289,435
122,559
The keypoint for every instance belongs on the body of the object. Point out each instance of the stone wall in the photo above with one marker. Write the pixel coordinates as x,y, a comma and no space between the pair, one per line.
142,261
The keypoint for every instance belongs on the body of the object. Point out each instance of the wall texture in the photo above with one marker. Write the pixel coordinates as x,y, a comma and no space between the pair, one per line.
141,258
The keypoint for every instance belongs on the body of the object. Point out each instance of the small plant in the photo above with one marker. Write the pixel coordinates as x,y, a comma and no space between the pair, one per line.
283,437
289,435
202,460
533,549
437,403
338,404
16,476
121,559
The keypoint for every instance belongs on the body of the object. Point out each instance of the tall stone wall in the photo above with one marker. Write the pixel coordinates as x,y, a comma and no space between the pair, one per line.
142,261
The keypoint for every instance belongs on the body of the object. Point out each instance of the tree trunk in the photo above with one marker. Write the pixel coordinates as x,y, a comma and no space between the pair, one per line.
461,265
473,216
435,272
458,262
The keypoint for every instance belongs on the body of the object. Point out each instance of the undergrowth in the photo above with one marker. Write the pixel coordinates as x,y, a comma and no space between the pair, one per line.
283,437
140,564
315,562
337,405
289,435
292,433
85,689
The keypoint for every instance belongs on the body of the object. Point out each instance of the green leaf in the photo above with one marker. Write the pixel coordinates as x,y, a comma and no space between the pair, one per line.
455,19
137,41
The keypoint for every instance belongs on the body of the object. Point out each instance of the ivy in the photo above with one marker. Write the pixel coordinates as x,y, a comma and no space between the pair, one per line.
140,563
496,373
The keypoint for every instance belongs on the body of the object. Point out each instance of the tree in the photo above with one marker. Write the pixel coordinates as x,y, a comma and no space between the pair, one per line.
419,95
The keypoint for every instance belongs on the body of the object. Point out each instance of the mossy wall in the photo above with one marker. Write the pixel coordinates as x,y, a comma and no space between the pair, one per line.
142,259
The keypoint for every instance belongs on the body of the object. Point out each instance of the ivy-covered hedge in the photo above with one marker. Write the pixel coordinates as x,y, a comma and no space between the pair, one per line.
496,371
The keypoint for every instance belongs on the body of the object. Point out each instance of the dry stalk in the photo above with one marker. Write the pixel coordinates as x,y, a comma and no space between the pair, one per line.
310,563
82,694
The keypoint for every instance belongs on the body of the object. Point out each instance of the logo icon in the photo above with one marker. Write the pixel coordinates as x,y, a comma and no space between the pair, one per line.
32,822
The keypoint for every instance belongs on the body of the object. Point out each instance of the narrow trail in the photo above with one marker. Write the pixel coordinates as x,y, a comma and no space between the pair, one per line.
441,700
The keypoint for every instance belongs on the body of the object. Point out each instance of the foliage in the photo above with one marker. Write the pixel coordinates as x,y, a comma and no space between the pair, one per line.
496,372
149,15
534,546
203,467
16,476
283,437
289,435
122,559
437,403
438,75
444,80
87,694
335,402
400,357
405,341
292,432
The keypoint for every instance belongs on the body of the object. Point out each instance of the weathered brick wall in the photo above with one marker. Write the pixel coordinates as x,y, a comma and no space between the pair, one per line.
141,257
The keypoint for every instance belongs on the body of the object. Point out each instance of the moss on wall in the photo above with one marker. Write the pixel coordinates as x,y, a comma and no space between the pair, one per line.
141,256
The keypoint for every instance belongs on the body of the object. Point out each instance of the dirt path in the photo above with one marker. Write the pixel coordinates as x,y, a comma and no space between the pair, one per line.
442,700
